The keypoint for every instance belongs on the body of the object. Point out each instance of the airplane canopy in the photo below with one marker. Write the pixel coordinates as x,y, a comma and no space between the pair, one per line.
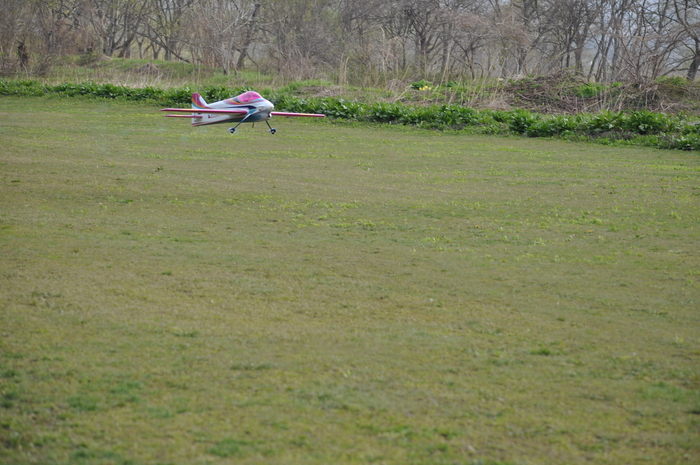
248,97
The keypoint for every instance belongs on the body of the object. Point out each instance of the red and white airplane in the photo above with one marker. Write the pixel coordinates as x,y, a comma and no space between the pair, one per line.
249,107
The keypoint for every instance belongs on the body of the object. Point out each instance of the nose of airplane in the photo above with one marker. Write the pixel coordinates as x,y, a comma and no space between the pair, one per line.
267,106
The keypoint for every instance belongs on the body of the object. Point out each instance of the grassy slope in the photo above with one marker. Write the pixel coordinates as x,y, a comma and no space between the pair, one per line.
340,294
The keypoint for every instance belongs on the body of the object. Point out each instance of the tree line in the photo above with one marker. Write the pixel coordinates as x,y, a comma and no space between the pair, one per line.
365,42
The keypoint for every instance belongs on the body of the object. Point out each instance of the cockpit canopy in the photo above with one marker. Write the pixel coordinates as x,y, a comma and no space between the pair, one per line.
249,96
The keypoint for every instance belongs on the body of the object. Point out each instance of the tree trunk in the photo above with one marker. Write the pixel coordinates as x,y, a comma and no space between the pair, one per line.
248,39
695,64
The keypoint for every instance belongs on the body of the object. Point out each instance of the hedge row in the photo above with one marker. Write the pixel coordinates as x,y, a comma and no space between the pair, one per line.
639,127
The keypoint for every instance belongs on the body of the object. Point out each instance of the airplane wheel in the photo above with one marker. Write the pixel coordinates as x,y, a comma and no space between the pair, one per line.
231,130
273,130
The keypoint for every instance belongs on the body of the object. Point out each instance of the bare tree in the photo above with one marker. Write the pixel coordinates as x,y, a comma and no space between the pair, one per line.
164,25
116,22
649,38
687,14
473,33
302,37
15,34
225,31
568,26
513,41
47,30
528,12
372,41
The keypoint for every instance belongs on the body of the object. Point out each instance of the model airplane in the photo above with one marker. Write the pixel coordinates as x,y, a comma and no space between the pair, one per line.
249,107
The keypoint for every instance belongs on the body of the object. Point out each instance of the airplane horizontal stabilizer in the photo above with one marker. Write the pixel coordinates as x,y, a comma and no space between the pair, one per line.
183,116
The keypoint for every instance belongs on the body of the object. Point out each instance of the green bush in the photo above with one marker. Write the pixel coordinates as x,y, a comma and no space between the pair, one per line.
23,88
457,116
685,142
605,121
521,120
554,126
340,108
422,85
645,122
381,112
691,128
590,89
676,81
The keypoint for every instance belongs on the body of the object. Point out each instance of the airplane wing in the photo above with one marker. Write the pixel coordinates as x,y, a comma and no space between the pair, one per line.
284,113
205,111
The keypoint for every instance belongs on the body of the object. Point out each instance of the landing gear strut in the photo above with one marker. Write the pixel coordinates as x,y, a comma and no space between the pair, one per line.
233,129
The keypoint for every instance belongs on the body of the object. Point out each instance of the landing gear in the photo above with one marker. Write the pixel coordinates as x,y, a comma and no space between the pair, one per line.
233,129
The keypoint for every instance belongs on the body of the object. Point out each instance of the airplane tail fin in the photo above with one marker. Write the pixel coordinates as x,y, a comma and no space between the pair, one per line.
199,104
198,101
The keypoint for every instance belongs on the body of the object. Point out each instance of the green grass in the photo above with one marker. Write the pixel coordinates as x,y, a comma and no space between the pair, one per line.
340,294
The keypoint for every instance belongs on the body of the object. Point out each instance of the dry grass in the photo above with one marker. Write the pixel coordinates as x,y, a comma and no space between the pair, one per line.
339,294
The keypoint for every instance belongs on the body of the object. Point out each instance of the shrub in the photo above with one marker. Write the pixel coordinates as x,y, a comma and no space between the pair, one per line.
422,85
381,112
521,120
499,116
456,116
147,93
691,128
645,122
177,97
685,142
590,89
23,88
339,108
676,81
553,126
605,121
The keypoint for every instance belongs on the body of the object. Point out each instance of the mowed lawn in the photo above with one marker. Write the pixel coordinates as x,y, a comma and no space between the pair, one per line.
340,294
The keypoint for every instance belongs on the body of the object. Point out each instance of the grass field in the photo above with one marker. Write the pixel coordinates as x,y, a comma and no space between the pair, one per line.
340,294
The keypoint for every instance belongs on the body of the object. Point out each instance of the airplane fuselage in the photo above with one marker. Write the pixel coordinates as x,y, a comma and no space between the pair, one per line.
253,108
214,119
